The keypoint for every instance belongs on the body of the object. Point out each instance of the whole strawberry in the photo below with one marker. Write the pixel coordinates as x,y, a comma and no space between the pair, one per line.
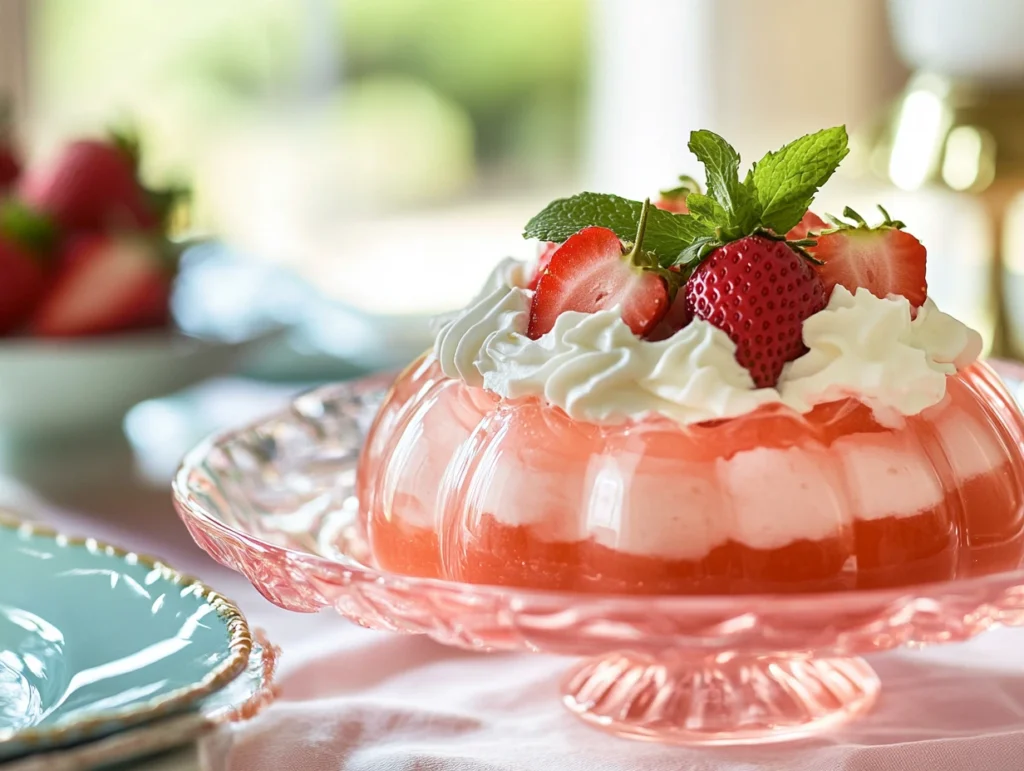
91,185
10,164
25,242
10,159
758,291
674,199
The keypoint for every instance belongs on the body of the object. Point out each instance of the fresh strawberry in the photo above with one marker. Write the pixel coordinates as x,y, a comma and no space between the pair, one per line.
811,223
592,271
545,252
10,165
90,186
677,205
25,240
106,283
885,260
674,200
758,291
677,317
22,283
10,159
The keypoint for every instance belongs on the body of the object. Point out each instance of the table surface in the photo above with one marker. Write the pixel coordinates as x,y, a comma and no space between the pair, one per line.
119,491
106,489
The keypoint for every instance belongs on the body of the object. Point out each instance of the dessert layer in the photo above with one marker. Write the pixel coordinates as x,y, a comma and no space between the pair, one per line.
764,498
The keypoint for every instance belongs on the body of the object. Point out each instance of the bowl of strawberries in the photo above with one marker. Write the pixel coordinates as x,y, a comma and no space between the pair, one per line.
88,271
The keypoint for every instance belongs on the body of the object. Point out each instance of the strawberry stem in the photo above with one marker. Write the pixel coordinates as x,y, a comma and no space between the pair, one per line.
641,229
852,215
889,221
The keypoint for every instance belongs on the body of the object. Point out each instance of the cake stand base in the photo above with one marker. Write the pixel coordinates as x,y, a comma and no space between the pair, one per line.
720,700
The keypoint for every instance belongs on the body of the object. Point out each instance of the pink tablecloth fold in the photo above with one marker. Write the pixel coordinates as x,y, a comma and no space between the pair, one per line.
360,701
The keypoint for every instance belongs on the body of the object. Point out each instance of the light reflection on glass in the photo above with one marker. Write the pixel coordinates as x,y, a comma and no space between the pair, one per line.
922,121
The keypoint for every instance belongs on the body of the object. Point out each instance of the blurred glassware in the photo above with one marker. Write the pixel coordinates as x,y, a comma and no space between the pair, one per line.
954,139
966,41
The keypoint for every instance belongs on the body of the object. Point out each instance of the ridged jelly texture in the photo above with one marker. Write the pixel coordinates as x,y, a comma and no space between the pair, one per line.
458,483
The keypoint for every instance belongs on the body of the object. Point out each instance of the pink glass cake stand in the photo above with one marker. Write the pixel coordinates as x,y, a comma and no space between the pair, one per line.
275,501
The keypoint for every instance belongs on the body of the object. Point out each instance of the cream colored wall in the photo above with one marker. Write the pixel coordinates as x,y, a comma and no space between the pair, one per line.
757,72
13,55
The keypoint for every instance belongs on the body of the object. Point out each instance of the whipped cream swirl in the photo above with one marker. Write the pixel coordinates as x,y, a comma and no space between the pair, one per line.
873,349
500,311
592,366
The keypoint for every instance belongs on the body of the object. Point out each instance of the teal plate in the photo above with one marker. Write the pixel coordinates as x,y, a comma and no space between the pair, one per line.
94,639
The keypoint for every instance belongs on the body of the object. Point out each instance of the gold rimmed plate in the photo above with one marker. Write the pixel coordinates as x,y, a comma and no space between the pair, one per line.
95,639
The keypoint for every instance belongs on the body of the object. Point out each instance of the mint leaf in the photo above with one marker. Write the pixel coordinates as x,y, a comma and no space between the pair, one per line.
736,201
667,234
785,181
698,250
706,210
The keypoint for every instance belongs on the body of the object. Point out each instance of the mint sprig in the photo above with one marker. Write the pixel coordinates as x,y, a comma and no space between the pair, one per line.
771,199
785,181
667,234
736,213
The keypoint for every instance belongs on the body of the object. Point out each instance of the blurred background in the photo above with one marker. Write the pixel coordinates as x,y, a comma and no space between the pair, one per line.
358,166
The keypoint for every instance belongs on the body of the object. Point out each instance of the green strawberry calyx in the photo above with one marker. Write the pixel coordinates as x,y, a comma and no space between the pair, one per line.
687,185
640,259
29,229
851,220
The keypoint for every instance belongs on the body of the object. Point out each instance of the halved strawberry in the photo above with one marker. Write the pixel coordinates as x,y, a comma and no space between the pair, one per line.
91,185
811,223
106,283
677,317
545,252
885,260
592,271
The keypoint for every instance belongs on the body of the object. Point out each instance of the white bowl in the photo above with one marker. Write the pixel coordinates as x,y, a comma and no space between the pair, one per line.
976,41
62,387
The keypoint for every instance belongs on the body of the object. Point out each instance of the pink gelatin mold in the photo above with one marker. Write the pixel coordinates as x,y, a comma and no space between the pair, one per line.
458,484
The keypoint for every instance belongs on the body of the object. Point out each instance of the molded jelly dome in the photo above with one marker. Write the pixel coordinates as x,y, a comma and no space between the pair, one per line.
457,483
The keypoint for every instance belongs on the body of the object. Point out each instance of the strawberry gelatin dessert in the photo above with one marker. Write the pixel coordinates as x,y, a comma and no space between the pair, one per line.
678,399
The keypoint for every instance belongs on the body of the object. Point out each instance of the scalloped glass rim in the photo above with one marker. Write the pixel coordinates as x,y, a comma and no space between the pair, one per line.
971,592
691,670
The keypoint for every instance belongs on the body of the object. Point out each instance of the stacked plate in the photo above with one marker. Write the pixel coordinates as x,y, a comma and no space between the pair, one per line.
106,655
